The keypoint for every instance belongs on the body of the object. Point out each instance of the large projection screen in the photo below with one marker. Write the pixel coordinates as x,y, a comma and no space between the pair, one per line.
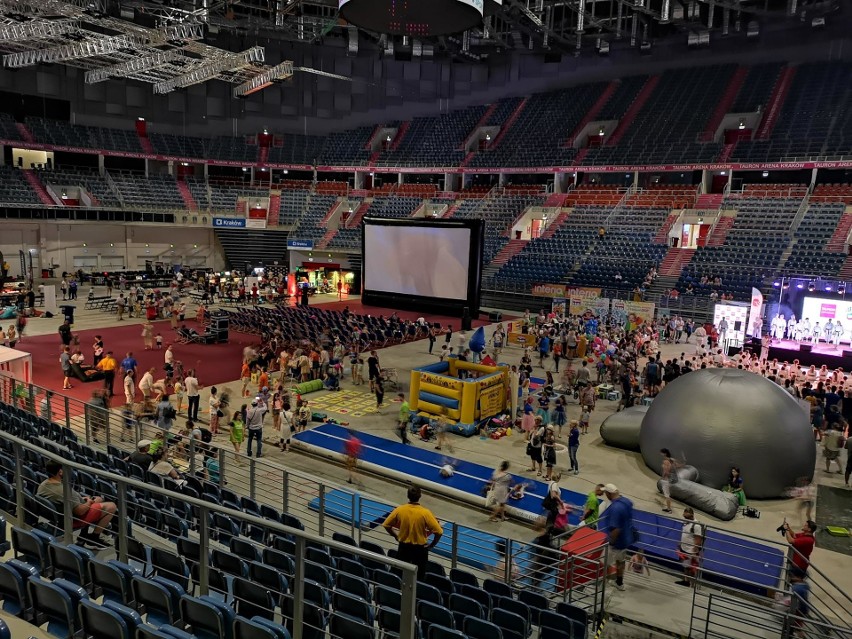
426,264
821,309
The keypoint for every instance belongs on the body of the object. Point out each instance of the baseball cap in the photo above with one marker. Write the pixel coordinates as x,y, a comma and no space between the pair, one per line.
610,488
143,443
254,402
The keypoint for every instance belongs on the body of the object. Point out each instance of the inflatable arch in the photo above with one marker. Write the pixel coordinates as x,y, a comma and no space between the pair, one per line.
436,390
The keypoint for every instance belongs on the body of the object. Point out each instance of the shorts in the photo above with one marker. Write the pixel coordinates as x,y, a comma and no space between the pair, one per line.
830,455
92,516
535,455
618,554
666,487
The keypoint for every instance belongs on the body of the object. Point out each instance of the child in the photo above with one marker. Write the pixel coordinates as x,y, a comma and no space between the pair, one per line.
178,393
519,491
448,467
159,340
639,564
559,415
237,432
358,371
584,420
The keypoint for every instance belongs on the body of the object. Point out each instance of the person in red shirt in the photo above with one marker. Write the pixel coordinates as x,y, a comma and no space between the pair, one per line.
352,450
802,543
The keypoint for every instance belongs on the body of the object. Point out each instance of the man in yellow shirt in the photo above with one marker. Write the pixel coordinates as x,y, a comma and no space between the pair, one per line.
108,364
411,525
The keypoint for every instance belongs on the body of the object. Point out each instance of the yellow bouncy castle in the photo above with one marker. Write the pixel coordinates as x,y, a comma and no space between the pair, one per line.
437,389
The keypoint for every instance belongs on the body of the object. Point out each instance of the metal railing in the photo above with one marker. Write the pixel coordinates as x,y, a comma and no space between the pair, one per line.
208,537
316,503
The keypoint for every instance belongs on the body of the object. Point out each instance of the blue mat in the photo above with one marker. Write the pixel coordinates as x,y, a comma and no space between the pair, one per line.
367,514
418,462
735,559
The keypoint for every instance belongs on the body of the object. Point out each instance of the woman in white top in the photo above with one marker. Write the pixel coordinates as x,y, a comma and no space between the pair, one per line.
163,468
501,481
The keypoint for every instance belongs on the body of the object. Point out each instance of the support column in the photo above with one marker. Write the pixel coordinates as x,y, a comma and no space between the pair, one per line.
400,178
814,173
359,180
101,167
501,180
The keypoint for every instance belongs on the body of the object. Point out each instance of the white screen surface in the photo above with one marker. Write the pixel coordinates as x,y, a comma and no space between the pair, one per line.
417,260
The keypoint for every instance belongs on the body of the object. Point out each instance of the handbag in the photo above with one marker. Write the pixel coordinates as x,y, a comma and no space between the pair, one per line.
490,498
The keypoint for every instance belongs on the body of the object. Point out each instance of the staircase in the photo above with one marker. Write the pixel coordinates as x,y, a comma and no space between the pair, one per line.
779,94
374,157
837,243
325,240
662,235
593,112
509,122
709,201
554,200
274,214
467,159
727,151
674,261
558,221
248,246
400,134
661,286
581,155
482,122
263,155
846,269
38,187
328,214
509,250
450,211
724,104
355,221
146,145
376,131
720,231
634,109
24,132
188,201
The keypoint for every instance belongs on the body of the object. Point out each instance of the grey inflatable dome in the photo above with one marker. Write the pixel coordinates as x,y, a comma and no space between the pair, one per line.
621,429
716,418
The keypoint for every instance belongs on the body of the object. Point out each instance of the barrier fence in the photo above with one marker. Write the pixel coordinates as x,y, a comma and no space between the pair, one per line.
316,507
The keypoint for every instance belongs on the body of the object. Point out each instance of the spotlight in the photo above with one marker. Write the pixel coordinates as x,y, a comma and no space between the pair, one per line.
776,283
785,285
811,287
841,288
828,288
800,286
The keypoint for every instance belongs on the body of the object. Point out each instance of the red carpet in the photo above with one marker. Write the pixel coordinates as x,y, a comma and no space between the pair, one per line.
214,363
357,307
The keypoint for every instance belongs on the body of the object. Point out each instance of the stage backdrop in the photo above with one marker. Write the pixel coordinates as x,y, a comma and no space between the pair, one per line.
736,313
632,314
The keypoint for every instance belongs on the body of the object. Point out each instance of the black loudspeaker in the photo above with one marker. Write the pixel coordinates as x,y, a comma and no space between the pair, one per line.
806,348
847,353
467,322
495,316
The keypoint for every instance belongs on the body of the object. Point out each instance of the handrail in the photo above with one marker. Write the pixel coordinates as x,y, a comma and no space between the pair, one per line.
114,188
204,508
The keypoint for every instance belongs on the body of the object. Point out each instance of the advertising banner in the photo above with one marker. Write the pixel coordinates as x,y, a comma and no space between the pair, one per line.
561,290
755,315
588,307
631,314
559,306
735,316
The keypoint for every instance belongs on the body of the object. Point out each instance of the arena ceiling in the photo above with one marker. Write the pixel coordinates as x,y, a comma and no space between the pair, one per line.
171,44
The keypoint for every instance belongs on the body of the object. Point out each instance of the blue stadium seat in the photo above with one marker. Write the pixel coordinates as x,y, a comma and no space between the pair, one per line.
476,628
54,605
70,562
429,613
252,599
342,626
207,618
159,598
101,622
13,592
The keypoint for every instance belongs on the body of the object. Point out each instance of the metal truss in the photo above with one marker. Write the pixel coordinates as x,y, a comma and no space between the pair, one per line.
210,69
16,31
133,67
264,79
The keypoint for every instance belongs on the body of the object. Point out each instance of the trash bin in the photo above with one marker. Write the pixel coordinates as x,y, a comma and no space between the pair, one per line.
68,312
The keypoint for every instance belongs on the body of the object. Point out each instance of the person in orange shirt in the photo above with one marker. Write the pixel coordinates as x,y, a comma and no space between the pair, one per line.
245,376
262,380
108,364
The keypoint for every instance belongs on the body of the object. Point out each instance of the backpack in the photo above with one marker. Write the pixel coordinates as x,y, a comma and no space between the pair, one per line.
535,440
652,370
169,413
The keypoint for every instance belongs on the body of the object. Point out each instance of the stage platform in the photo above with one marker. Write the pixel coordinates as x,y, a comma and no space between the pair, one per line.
731,560
786,350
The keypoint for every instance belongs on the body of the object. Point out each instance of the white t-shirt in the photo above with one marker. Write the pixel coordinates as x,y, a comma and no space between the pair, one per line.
688,533
191,384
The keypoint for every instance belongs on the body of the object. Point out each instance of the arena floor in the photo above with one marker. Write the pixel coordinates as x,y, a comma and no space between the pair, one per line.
598,463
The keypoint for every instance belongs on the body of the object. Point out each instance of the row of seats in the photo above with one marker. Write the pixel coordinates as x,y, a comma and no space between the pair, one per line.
252,569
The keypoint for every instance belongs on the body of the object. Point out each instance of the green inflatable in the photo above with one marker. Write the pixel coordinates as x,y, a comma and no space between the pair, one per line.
308,387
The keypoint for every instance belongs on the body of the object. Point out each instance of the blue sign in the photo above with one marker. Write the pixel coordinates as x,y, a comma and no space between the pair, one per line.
300,244
229,222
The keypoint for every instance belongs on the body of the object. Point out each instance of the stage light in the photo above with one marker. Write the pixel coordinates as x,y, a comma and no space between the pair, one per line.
776,283
800,285
841,288
828,288
811,287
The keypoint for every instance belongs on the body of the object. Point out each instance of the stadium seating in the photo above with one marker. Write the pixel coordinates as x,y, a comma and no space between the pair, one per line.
155,594
433,141
348,148
96,185
151,192
183,146
14,188
808,255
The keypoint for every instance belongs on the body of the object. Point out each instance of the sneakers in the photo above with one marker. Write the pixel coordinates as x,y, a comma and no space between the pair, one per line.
683,582
619,586
96,542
